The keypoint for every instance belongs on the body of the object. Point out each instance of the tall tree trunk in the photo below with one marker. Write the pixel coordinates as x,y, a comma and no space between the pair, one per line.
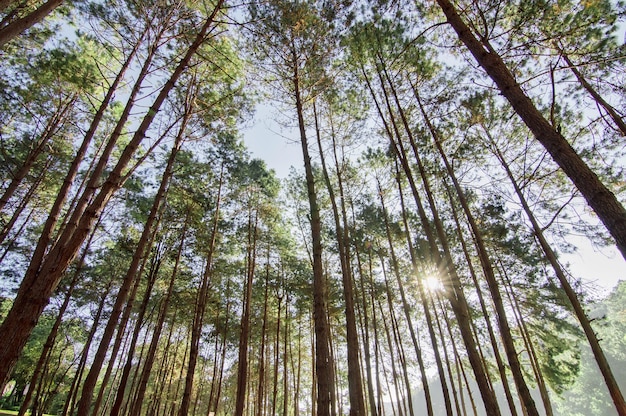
201,302
68,407
34,294
487,266
121,387
355,383
244,335
323,364
260,397
598,196
492,337
409,319
156,333
279,298
598,353
423,298
452,284
121,338
447,359
534,362
365,325
392,358
55,328
8,226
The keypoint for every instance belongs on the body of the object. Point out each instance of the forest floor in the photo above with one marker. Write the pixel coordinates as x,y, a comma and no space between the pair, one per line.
14,412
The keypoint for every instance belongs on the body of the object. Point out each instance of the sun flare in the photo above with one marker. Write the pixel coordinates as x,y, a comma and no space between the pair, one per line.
432,283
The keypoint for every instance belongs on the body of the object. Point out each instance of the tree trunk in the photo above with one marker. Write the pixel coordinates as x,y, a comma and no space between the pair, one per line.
487,266
598,353
409,320
68,407
17,212
121,387
617,118
50,340
355,383
143,247
323,364
18,26
534,362
598,196
201,302
260,397
156,334
365,325
492,337
244,335
452,285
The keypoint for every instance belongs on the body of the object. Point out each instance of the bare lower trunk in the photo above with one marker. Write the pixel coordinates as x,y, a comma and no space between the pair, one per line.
244,336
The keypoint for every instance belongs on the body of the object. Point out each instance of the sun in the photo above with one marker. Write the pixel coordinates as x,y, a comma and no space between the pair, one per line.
432,283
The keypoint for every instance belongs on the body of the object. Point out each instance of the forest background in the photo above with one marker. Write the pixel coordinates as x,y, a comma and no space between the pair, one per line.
421,256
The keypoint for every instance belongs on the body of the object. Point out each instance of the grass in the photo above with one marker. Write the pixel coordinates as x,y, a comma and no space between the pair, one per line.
14,412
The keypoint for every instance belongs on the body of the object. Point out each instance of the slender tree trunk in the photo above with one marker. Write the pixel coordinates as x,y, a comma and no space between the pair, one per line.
260,397
277,350
598,353
244,335
55,121
71,396
487,266
447,359
18,26
201,302
598,196
323,364
49,344
409,320
611,111
121,387
35,293
452,285
156,334
6,228
485,312
519,317
365,325
458,358
392,358
121,339
355,383
143,247
423,298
